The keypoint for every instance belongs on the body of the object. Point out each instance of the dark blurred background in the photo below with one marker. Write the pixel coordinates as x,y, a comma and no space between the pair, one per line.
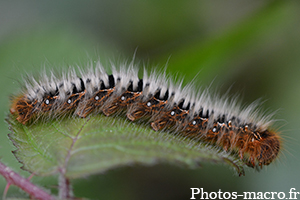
251,46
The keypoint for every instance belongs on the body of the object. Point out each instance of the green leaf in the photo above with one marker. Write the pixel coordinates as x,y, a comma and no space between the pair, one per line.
79,147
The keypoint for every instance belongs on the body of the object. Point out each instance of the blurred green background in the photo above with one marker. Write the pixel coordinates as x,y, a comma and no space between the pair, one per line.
251,46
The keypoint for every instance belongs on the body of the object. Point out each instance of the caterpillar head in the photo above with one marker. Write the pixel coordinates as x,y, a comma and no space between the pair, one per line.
263,148
269,147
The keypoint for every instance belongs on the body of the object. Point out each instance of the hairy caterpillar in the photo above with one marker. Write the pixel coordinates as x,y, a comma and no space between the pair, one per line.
202,116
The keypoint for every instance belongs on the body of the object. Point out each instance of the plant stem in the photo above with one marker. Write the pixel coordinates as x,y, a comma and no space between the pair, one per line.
14,178
65,190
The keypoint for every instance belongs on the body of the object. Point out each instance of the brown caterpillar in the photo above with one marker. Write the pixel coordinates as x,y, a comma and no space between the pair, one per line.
220,121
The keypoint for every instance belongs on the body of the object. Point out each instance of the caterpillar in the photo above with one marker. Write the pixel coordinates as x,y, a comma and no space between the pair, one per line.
166,106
